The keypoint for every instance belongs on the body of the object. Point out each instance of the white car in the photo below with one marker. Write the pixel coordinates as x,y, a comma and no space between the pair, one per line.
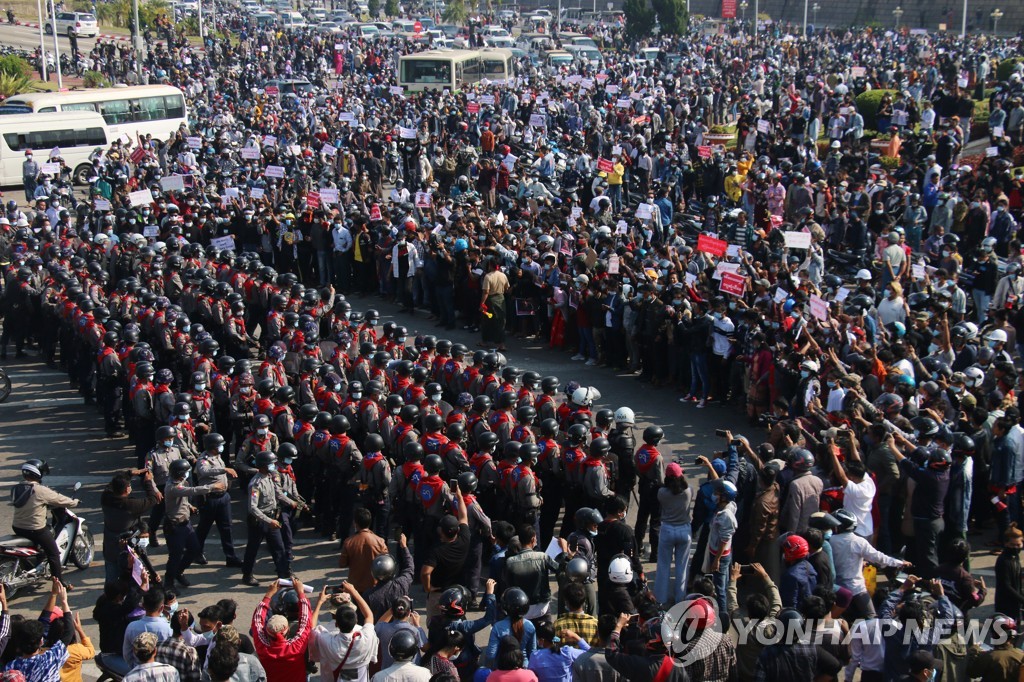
328,27
73,23
317,14
546,13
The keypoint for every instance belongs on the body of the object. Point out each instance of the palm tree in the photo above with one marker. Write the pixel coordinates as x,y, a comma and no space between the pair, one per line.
456,13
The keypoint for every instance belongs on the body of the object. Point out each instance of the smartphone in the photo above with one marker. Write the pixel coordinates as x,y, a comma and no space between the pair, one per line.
720,433
746,569
453,484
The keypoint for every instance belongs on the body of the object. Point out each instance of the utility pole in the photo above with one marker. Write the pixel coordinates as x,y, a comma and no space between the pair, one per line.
963,23
42,43
56,48
137,38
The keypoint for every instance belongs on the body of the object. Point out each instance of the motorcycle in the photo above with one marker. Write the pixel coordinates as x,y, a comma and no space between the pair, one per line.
23,564
5,385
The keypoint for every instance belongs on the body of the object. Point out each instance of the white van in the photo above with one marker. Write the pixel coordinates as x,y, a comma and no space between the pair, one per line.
292,20
76,133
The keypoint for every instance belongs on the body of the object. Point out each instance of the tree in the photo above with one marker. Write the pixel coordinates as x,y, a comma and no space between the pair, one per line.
639,18
672,16
456,13
391,8
373,8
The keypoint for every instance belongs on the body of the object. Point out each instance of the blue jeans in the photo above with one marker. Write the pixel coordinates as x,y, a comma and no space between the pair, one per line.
699,374
721,579
323,265
674,543
982,300
445,294
587,346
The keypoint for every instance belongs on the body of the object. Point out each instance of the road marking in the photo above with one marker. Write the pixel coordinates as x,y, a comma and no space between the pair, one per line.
31,375
66,481
43,402
56,437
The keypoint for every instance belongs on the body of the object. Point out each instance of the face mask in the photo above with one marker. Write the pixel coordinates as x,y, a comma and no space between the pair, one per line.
220,449
271,467
956,389
395,412
945,254
288,460
677,301
831,384
804,373
187,328
200,387
357,396
143,544
718,315
168,443
261,432
246,390
828,534
592,533
208,636
1000,208
174,606
436,398
993,344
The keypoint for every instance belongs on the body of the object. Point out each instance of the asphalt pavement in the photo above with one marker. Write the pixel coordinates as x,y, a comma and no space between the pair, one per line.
24,37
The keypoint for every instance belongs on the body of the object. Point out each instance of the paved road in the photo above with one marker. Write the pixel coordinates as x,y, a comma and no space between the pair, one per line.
44,418
25,38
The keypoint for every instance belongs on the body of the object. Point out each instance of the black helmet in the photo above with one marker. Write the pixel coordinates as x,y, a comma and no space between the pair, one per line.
403,645
577,434
653,435
110,339
265,388
165,432
468,482
578,568
308,412
506,400
511,450
212,441
179,468
455,432
526,414
433,465
604,417
800,459
511,374
600,447
586,517
35,469
487,440
549,427
287,451
284,394
412,451
481,403
549,384
209,347
265,459
373,443
409,413
394,403
433,422
383,568
515,603
453,601
339,424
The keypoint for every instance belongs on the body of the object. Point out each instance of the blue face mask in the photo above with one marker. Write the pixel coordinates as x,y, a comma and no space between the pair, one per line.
288,460
272,467
804,373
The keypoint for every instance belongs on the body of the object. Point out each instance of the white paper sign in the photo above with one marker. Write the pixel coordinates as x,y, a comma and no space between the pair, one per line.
142,197
644,211
623,103
329,195
621,227
407,133
725,267
269,140
997,131
101,204
961,82
397,90
537,120
733,250
819,308
781,295
194,142
250,153
797,240
842,294
231,192
347,116
917,270
172,183
577,211
617,150
275,172
612,88
329,150
613,264
256,192
763,126
223,243
49,168
991,151
151,231
690,279
487,99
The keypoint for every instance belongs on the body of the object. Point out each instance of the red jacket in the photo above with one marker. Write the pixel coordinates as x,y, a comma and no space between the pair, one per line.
283,659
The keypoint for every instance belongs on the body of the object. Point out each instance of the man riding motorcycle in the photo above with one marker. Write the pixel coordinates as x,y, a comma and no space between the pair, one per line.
32,500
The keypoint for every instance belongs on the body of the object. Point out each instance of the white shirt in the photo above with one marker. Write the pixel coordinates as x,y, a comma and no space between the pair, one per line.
328,647
857,499
835,399
720,344
342,239
406,671
849,552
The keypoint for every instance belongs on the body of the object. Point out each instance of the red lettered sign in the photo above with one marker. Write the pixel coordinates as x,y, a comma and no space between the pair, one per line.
473,107
272,91
732,283
716,247
375,212
417,27
313,200
605,166
704,151
728,9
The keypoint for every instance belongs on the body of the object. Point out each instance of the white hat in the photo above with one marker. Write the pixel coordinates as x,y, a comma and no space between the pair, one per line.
864,275
809,365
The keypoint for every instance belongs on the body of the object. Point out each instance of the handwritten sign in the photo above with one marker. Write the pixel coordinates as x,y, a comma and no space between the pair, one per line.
101,204
704,151
172,183
269,140
819,308
605,166
797,240
142,197
537,120
256,193
781,295
151,231
313,200
250,153
407,133
329,195
397,90
223,243
49,168
709,244
274,172
763,126
623,103
375,212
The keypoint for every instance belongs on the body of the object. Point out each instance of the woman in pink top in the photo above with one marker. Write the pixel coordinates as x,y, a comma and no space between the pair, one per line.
510,662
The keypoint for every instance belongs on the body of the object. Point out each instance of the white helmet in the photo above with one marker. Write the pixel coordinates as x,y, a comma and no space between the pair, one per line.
100,238
864,274
975,376
809,365
996,335
582,280
620,570
624,415
627,290
972,330
585,396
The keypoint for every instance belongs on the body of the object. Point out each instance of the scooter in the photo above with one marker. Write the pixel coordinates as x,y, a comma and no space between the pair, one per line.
23,564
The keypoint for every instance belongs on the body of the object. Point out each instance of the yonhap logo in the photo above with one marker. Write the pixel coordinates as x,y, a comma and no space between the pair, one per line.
691,630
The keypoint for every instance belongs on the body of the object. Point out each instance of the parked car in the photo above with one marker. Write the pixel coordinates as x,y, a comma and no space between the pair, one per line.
73,23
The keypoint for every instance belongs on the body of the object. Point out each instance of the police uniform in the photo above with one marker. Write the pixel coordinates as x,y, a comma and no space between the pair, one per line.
158,462
215,508
264,504
182,543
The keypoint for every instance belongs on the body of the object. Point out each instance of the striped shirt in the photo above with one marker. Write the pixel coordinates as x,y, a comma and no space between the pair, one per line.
42,668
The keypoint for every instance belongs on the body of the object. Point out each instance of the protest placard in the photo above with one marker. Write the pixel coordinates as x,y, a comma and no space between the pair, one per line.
142,197
223,243
732,283
709,244
797,240
274,171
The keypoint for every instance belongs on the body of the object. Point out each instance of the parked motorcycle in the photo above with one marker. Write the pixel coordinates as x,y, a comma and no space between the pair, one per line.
5,385
23,564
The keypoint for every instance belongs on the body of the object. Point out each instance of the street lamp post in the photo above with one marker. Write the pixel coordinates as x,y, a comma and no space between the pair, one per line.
56,47
996,15
815,8
42,43
805,18
743,10
898,12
